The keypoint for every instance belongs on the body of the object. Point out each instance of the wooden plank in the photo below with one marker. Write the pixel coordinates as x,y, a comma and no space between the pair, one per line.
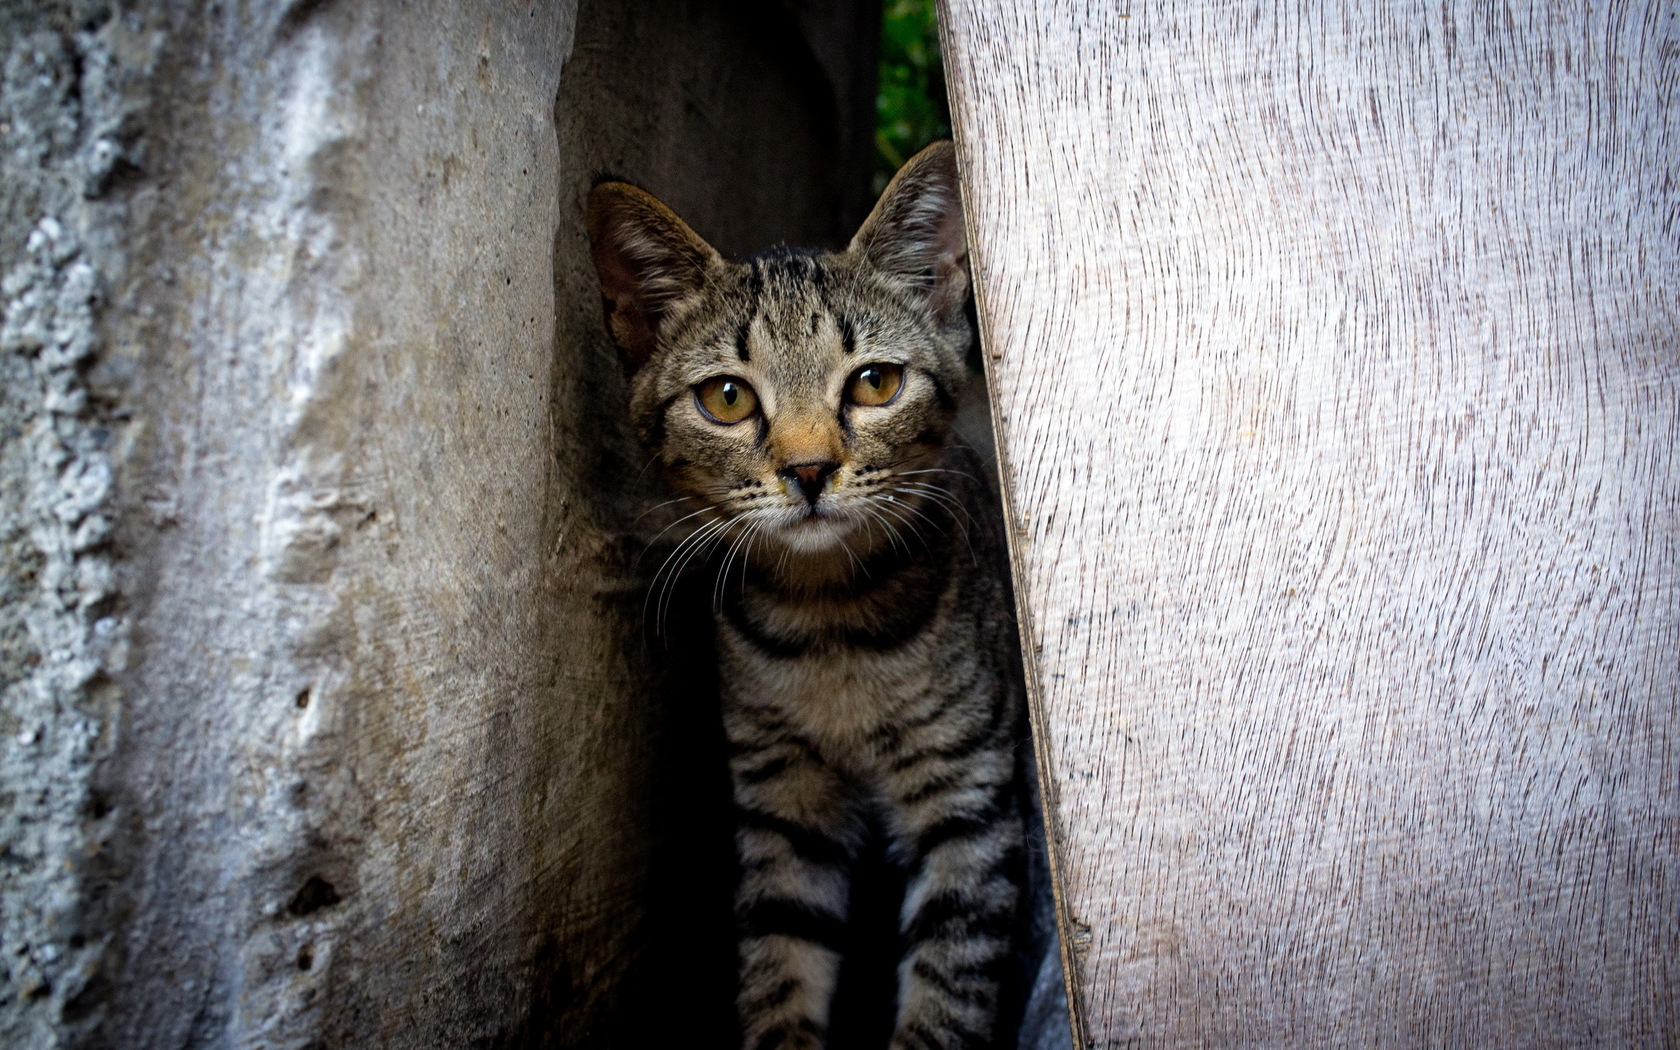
1334,366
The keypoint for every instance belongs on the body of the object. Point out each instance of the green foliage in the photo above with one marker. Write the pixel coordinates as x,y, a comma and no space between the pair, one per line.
911,109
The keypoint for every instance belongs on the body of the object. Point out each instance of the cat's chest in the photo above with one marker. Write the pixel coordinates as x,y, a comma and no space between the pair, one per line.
836,698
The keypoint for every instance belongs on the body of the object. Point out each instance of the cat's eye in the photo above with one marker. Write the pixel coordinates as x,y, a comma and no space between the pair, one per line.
875,384
725,399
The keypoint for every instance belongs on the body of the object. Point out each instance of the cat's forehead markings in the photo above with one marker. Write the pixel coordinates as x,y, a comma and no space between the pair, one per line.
742,335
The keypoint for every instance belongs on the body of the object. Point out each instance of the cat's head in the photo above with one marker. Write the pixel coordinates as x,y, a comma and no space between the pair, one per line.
796,392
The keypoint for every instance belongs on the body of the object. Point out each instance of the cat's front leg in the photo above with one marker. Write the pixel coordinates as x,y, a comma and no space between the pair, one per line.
796,837
961,826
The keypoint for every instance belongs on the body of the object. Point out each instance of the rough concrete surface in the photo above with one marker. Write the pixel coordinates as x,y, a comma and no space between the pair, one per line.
67,112
327,713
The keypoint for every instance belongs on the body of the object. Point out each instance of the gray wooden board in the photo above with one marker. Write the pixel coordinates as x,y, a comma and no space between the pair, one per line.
1334,366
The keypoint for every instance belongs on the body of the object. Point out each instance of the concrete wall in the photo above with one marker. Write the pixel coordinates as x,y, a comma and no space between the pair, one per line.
327,713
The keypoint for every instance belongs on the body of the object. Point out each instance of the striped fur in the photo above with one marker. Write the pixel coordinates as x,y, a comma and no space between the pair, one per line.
864,629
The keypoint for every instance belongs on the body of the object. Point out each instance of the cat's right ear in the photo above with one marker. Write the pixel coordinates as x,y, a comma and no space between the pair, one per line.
916,231
647,259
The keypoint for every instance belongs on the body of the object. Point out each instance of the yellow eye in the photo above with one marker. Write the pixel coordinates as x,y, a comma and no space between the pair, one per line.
725,399
875,384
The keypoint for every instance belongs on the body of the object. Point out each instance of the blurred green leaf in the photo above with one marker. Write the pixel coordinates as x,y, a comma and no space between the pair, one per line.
911,109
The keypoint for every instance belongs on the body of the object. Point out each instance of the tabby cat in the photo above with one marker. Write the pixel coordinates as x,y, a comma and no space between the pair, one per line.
803,400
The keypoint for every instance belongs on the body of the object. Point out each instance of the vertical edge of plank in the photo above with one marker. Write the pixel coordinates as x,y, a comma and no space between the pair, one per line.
1026,633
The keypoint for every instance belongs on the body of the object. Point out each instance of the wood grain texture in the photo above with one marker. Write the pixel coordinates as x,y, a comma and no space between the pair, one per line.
1335,371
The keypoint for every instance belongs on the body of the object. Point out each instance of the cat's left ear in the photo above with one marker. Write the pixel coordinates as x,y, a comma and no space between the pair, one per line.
647,259
917,233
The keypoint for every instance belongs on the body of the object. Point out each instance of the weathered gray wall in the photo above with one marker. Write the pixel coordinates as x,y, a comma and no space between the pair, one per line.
1335,351
328,716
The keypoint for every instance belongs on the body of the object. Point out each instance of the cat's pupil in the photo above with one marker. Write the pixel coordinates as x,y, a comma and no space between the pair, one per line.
872,376
730,394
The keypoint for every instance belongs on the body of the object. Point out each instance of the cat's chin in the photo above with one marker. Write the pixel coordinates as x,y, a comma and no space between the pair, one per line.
815,534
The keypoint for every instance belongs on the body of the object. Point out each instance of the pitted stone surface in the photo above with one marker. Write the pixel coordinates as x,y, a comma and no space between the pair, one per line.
65,102
327,715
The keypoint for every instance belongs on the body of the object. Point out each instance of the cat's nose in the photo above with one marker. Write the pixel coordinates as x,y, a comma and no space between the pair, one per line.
809,478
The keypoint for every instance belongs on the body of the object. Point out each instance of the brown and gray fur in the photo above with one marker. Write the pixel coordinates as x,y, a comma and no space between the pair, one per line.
862,617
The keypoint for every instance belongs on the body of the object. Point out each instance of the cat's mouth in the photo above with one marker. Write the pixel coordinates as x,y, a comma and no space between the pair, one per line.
808,519
813,528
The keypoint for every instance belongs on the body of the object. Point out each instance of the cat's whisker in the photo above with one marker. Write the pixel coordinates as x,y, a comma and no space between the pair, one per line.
668,592
735,546
895,529
692,537
914,457
701,550
727,502
910,523
944,500
913,509
987,456
747,557
781,563
656,506
858,565
692,543
651,461
655,540
930,492
939,470
934,492
885,508
661,582
875,516
755,523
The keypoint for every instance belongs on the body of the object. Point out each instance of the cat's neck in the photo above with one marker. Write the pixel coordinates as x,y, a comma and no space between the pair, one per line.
867,562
